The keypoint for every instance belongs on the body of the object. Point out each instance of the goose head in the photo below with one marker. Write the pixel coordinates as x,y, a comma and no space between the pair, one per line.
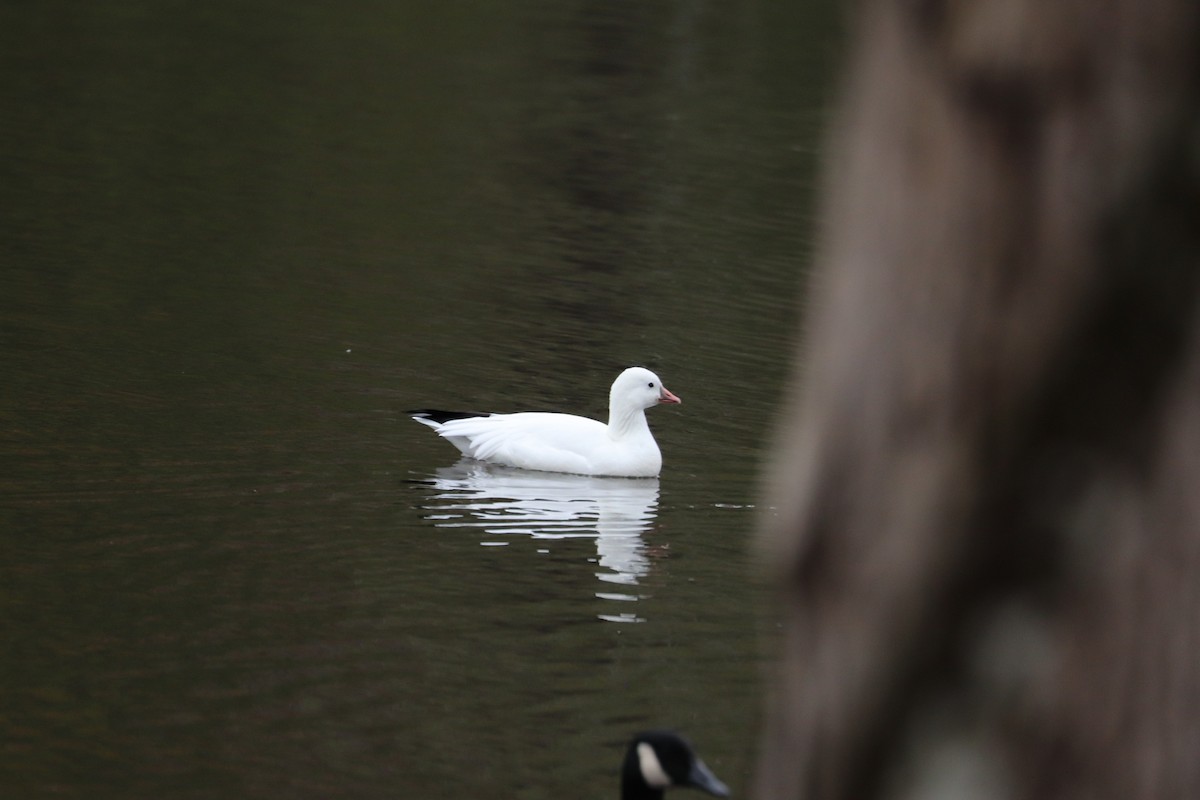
658,760
639,388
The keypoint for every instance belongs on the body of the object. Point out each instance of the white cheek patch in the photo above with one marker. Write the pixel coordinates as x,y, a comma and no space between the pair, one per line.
652,772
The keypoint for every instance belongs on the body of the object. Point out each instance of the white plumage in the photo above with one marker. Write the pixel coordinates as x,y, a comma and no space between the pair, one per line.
565,442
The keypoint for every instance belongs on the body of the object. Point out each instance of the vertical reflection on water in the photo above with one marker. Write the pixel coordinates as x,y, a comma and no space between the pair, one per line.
544,505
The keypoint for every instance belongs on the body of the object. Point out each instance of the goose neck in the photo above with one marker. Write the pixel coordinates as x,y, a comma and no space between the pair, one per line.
625,421
633,788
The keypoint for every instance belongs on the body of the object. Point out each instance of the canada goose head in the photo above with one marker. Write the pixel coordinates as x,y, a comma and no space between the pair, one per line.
659,760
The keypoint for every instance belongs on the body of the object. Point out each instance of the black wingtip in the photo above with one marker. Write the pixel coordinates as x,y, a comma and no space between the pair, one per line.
435,415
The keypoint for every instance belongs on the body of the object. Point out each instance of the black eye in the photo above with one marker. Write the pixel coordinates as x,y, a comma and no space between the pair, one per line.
650,384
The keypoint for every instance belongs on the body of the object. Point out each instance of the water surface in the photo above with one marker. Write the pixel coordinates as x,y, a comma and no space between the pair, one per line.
238,239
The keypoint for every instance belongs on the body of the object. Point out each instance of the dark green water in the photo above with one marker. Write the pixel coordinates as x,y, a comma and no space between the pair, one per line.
237,239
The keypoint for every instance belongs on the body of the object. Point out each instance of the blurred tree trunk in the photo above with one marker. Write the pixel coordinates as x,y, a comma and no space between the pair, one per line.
988,490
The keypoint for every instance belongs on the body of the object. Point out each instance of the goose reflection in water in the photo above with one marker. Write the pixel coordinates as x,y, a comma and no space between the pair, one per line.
547,505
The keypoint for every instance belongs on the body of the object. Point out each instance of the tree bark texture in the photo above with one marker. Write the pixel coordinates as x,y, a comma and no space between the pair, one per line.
987,497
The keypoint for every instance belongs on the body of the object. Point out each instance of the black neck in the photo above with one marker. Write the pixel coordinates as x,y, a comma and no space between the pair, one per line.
634,788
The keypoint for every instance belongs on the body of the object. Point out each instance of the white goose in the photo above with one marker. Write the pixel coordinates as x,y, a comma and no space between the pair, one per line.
551,442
